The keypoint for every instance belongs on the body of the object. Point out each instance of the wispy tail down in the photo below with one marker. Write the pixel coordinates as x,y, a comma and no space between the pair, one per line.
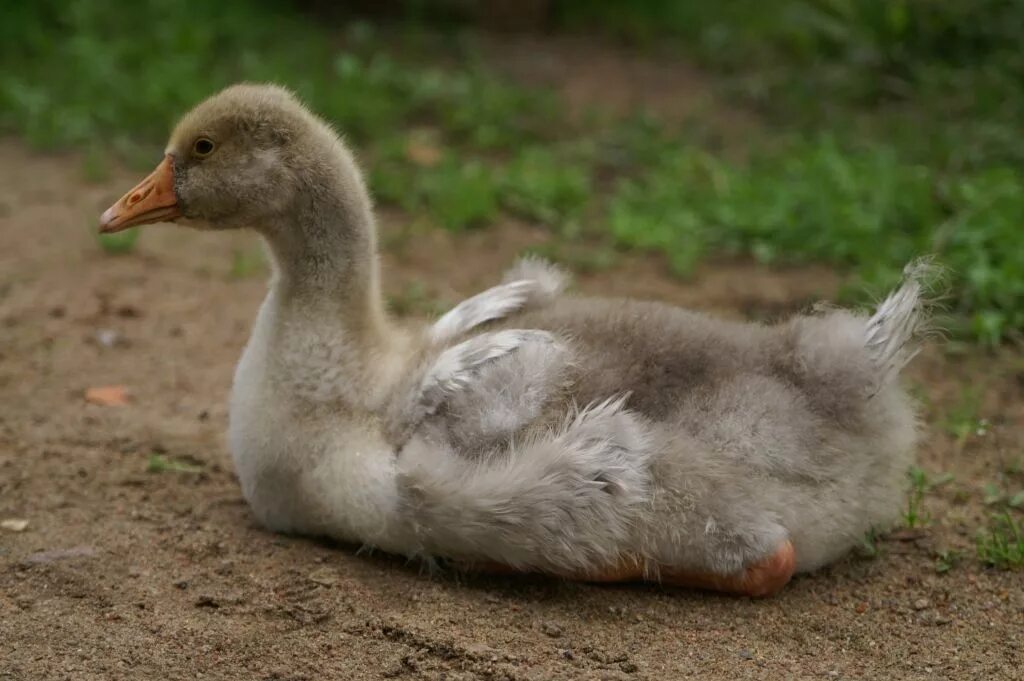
893,333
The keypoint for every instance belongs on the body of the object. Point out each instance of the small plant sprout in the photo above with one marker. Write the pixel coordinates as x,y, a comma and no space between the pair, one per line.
871,544
1001,545
915,515
158,463
992,494
946,560
963,422
921,484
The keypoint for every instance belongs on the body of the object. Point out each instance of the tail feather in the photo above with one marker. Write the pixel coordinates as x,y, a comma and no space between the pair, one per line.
893,333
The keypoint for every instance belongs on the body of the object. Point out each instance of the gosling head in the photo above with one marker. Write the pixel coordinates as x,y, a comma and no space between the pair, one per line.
238,159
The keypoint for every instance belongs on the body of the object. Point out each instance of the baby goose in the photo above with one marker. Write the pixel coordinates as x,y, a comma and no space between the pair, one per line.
525,429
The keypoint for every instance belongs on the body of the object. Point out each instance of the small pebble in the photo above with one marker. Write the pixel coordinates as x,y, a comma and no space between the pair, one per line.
746,654
921,603
14,524
324,576
44,557
128,312
107,337
551,629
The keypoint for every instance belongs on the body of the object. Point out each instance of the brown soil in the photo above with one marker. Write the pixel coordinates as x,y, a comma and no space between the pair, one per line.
123,573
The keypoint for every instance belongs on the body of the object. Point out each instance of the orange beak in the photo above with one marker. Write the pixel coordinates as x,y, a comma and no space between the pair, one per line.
152,200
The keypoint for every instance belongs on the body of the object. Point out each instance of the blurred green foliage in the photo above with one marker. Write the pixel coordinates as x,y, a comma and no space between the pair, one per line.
549,188
98,72
889,128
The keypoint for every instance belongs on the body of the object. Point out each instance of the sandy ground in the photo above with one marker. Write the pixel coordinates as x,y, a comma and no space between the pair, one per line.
122,573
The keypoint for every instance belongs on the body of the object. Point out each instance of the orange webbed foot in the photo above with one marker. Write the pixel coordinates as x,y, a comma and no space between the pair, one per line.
764,578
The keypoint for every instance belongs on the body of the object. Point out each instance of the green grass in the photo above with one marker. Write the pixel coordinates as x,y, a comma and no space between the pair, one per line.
963,419
461,194
1001,545
117,243
158,463
915,515
946,560
908,122
870,545
921,484
543,186
891,128
1003,494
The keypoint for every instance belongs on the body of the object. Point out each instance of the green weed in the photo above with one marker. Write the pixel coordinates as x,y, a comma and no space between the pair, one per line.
996,495
541,186
963,421
461,195
946,560
870,545
158,463
1001,545
915,515
920,485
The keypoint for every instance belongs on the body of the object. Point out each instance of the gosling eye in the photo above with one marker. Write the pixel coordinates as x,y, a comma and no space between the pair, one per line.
203,147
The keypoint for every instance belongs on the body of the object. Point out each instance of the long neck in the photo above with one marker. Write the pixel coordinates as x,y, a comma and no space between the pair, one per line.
325,326
324,251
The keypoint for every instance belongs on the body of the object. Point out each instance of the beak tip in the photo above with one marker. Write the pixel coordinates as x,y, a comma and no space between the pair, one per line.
108,217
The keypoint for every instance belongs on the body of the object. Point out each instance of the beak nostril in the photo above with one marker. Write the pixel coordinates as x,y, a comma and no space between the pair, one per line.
138,196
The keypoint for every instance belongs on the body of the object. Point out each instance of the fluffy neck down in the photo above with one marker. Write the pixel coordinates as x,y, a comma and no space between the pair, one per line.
326,324
324,250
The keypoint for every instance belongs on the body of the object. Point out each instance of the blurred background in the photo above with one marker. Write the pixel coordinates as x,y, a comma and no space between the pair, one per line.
851,134
741,157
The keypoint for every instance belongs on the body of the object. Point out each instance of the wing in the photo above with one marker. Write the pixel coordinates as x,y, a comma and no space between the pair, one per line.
456,366
494,303
454,370
532,282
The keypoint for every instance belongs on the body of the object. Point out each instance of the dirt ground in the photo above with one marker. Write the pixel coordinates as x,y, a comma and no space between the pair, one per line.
122,573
